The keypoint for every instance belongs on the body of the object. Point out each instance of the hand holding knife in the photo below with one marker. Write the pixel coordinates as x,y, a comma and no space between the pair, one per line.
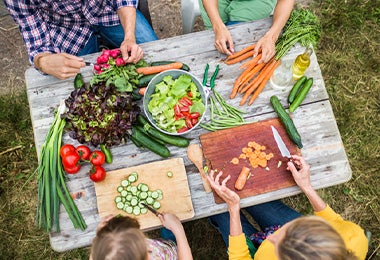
281,145
151,209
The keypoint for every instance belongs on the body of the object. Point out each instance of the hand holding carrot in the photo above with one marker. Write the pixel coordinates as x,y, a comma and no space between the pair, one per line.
230,197
266,46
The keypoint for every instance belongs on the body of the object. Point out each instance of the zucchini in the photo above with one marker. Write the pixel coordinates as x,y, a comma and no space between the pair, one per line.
295,89
169,139
286,121
164,62
149,143
301,95
144,80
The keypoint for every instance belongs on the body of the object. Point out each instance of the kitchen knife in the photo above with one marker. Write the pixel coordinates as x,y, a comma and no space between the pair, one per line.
280,143
89,63
155,212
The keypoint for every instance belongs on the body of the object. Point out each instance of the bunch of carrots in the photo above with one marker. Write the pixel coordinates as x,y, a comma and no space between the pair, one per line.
253,79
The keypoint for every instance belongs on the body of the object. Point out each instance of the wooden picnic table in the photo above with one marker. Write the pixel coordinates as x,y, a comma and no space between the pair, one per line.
315,121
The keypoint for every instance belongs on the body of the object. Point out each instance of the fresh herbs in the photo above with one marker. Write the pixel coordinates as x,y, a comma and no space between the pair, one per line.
302,27
52,188
100,114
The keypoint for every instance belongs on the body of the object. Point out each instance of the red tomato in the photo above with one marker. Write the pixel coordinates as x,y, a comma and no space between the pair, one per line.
66,148
194,121
97,157
188,122
84,152
70,160
190,94
182,129
177,110
97,173
72,170
194,115
187,101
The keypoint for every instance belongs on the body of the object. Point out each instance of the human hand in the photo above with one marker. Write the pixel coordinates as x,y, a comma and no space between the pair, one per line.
229,196
302,174
131,51
266,45
223,40
170,221
59,65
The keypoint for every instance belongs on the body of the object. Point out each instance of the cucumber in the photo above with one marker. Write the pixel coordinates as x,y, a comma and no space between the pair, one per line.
149,143
144,80
301,95
286,121
295,89
142,129
107,153
164,62
169,139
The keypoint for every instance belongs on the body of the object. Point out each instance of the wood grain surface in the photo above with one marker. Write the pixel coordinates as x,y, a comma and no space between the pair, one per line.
176,192
221,146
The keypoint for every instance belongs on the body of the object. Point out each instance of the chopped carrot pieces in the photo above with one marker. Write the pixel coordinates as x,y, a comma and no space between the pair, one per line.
235,160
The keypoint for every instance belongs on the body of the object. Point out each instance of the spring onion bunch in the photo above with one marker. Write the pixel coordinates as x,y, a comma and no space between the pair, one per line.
222,115
52,190
302,27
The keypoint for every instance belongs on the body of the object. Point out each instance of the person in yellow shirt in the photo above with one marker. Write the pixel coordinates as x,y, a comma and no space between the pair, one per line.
323,236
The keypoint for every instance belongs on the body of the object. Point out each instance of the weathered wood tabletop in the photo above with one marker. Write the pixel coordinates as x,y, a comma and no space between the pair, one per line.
323,147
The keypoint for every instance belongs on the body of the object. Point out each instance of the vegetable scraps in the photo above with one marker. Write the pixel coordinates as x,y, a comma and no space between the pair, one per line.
100,114
52,188
172,95
111,69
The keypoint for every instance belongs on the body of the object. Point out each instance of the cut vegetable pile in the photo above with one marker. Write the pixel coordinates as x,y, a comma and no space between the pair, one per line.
132,194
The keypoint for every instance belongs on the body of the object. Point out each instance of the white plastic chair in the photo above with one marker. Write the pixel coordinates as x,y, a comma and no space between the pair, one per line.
189,10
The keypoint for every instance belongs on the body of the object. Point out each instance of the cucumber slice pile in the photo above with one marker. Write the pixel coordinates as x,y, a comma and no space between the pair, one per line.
131,194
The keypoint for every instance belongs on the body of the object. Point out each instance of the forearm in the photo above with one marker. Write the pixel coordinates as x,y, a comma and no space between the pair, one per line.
211,7
235,223
281,15
315,200
183,248
127,16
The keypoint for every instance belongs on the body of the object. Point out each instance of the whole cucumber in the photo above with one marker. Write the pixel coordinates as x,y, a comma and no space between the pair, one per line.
286,121
144,80
296,88
301,95
149,143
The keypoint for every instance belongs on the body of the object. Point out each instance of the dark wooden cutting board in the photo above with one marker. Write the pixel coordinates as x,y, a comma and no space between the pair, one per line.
221,146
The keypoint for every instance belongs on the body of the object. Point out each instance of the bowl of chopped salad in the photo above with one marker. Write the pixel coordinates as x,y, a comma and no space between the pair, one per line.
175,102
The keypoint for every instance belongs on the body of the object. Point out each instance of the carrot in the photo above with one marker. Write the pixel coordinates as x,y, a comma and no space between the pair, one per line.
251,62
264,81
239,58
250,77
142,91
242,51
238,83
159,68
242,178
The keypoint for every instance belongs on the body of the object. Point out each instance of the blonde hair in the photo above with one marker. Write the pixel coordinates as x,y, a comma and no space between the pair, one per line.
312,238
122,239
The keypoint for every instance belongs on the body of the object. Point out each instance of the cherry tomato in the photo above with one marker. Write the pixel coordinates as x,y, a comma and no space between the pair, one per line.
72,170
66,148
194,115
83,151
190,94
177,110
194,121
187,101
97,157
188,122
182,129
70,160
97,173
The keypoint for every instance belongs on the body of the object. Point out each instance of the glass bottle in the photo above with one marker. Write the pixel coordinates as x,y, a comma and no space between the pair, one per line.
301,63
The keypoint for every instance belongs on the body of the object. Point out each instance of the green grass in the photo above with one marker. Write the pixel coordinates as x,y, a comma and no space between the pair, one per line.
348,54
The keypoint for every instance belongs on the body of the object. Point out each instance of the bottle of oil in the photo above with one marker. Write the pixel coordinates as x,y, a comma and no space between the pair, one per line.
301,63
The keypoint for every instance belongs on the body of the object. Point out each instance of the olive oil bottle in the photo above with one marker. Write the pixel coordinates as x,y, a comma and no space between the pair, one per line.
301,63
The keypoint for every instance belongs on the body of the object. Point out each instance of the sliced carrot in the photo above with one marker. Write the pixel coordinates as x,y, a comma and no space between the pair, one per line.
242,178
159,68
264,82
242,51
240,58
235,160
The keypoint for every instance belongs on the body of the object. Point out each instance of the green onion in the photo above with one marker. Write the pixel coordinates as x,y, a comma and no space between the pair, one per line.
52,190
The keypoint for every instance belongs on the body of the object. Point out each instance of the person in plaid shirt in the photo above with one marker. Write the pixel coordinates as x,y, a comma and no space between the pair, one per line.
57,33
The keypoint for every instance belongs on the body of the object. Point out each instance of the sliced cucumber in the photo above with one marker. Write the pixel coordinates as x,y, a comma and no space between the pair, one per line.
124,183
120,205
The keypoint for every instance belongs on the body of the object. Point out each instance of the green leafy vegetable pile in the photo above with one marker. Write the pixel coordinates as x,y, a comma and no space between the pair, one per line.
100,114
302,27
167,94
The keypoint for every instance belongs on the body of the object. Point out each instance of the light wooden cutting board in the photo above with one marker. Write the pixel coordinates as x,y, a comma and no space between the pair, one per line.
176,192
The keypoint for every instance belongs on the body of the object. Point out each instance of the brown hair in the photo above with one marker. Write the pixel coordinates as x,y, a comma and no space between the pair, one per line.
312,238
121,238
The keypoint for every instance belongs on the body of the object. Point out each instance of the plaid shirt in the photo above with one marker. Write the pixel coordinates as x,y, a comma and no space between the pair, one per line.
62,26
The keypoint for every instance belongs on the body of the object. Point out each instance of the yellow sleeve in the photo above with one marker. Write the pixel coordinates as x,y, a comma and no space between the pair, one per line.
265,251
352,234
238,248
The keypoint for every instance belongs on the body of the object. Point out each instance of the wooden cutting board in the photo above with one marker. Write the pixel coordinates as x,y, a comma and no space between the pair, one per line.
176,192
220,147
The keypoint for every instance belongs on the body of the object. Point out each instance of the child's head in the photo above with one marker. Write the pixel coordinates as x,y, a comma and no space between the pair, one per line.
120,238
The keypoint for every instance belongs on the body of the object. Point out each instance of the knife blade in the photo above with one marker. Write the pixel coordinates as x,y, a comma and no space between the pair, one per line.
280,143
155,212
89,63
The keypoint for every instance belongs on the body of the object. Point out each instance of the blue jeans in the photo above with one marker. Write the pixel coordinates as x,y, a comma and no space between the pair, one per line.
113,36
265,215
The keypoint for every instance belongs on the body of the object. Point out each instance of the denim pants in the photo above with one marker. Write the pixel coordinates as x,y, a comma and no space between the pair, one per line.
113,36
265,215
